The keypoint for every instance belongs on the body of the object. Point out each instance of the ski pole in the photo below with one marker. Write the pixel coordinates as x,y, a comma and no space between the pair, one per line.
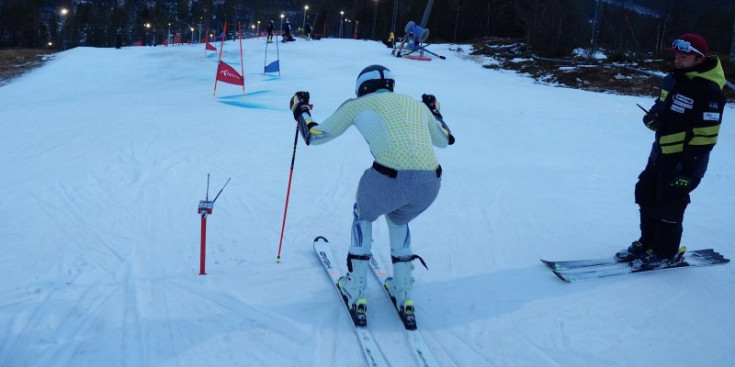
641,107
288,191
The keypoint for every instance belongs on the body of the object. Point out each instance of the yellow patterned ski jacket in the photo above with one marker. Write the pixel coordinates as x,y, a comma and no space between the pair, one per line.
399,129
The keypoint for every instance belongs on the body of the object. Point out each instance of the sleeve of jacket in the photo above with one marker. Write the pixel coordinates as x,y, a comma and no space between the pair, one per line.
667,85
704,132
334,125
441,136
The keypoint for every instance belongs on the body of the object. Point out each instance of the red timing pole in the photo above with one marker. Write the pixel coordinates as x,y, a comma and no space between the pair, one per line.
203,254
205,208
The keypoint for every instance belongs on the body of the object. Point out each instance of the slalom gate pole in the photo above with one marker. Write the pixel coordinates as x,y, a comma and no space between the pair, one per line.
278,57
242,64
288,191
221,47
265,60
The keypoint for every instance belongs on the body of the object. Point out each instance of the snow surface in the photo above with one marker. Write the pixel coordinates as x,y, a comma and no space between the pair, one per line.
104,157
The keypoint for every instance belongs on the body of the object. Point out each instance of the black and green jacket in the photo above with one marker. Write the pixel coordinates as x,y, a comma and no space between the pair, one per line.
688,113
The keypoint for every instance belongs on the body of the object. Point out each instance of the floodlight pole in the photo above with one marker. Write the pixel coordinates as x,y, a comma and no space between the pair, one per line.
427,12
595,30
732,44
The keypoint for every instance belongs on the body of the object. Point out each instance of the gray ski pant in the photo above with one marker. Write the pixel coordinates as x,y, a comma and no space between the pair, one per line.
400,199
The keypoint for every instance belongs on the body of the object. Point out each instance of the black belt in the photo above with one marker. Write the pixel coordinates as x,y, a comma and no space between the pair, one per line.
390,172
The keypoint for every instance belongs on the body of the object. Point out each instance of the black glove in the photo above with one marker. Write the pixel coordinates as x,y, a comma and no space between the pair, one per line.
300,104
431,102
651,120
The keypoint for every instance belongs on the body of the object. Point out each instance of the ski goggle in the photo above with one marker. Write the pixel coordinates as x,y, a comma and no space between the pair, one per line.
685,46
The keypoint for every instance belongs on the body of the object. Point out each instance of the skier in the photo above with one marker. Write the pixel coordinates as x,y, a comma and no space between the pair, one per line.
390,41
686,118
403,181
287,32
269,28
307,31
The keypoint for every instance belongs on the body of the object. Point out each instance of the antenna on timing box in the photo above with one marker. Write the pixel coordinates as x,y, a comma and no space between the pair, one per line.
205,208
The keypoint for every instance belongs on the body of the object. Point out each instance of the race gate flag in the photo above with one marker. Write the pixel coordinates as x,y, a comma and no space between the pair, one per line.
227,74
210,47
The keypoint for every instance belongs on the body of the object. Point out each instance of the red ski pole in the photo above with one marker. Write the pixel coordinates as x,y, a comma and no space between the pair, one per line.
288,191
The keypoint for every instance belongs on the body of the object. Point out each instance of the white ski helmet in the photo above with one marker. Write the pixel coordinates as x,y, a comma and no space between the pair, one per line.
372,78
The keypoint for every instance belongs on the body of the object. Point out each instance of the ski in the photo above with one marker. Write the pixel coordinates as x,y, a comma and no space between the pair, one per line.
573,264
421,352
370,350
697,258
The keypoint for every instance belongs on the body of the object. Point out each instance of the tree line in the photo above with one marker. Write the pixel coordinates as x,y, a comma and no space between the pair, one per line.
550,27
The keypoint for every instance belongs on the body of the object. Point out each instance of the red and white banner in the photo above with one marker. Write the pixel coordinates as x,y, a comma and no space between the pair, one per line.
227,74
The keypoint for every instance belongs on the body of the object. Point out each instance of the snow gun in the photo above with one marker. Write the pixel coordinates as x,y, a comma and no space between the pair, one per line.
414,42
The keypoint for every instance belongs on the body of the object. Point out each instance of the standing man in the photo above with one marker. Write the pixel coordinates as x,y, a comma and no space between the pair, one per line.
287,32
269,28
307,31
390,41
403,181
686,118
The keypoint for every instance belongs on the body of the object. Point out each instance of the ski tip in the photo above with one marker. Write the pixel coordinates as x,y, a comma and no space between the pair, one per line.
321,238
561,276
549,264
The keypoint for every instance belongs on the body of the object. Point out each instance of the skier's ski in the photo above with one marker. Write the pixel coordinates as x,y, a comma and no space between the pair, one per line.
420,350
573,264
690,259
373,355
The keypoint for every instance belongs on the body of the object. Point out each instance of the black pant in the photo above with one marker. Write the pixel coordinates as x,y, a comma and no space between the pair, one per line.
662,209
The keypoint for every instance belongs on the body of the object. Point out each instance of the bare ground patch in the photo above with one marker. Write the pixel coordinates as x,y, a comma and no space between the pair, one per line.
629,75
14,62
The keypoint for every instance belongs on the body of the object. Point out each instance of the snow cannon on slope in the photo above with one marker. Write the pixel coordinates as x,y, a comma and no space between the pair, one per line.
413,44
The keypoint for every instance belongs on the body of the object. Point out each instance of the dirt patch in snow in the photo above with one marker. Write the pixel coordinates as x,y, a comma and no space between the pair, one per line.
15,62
628,74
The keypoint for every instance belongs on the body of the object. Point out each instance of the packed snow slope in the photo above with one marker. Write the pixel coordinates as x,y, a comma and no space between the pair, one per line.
105,154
